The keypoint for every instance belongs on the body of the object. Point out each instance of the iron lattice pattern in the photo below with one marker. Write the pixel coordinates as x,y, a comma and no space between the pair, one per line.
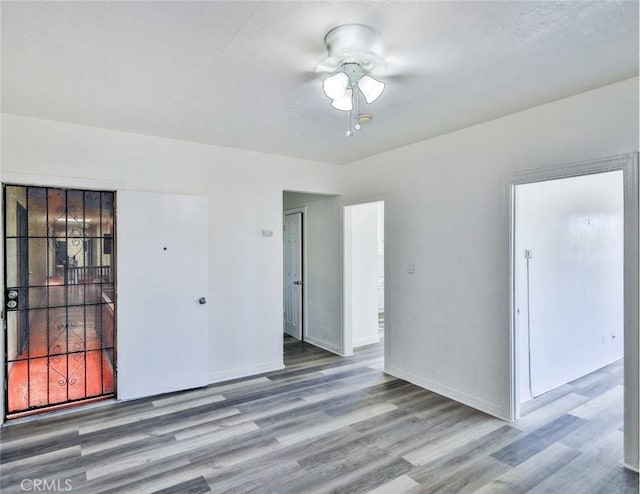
59,279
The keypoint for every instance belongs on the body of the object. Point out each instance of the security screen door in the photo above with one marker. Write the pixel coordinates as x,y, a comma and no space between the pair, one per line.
59,297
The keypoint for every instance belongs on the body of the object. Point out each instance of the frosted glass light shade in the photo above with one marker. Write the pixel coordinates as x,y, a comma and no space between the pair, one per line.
336,85
370,88
345,103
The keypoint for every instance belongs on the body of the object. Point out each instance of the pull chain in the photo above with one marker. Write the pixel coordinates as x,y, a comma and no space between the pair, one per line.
352,123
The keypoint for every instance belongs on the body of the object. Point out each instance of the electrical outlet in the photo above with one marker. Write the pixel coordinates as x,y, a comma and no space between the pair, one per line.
411,269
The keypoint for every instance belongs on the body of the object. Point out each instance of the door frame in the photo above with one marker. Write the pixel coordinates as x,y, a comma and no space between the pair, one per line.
35,180
347,339
628,164
303,222
23,266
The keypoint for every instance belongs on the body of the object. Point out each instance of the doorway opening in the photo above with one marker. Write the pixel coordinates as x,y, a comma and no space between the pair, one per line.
59,298
574,290
569,244
312,274
364,298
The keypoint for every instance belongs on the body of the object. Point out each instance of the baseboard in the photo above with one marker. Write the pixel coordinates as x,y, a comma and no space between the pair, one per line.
366,341
631,467
58,413
464,398
324,345
216,377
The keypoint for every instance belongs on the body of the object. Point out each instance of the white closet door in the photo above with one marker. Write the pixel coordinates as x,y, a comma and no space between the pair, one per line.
162,333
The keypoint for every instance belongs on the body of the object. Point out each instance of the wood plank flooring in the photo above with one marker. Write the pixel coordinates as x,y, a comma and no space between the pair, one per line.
326,424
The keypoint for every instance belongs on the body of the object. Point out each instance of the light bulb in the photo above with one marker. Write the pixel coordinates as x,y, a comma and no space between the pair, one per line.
336,85
370,88
357,126
345,103
349,133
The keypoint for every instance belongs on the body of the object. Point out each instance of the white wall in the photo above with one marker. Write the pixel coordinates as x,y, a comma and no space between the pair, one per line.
447,211
322,251
574,229
361,273
244,191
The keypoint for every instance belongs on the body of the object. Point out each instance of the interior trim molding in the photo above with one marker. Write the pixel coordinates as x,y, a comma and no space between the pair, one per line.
227,375
464,398
61,181
324,345
366,341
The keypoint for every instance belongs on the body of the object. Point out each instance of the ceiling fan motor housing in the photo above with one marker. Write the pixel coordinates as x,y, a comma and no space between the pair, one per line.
355,44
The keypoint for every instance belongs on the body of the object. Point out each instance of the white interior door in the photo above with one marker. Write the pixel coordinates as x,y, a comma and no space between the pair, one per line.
293,275
162,274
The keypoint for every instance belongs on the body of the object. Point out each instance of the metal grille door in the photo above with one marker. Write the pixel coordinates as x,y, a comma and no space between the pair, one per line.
59,297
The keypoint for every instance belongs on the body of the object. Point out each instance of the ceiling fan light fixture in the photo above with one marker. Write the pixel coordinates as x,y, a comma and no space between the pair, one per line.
335,86
354,52
371,88
345,103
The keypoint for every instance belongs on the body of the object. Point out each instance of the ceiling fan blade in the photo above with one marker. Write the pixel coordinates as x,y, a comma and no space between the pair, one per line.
326,67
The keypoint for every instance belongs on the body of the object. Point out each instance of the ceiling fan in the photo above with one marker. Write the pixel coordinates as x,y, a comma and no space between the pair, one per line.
355,60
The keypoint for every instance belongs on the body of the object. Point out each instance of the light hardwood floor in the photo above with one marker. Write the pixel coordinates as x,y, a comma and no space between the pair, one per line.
327,424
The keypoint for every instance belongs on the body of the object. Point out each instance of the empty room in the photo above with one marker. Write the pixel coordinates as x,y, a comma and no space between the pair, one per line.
313,247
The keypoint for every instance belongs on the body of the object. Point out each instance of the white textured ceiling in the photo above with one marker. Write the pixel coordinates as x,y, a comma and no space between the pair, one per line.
242,74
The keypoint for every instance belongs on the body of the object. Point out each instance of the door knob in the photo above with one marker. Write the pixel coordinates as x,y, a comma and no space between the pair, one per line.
202,300
297,282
